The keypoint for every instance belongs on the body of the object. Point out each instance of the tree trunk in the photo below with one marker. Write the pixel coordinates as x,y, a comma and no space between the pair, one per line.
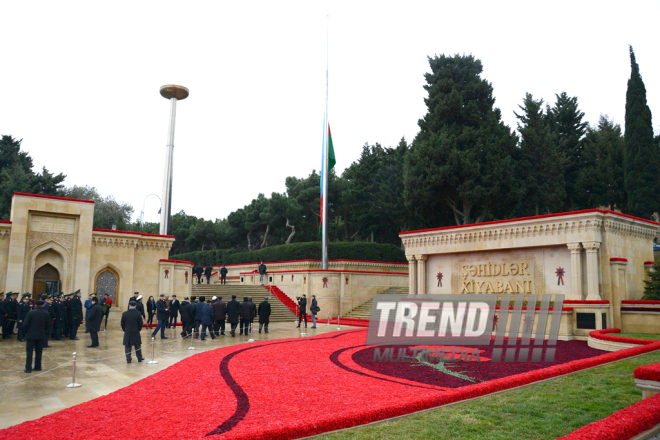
372,236
293,231
265,242
356,233
249,243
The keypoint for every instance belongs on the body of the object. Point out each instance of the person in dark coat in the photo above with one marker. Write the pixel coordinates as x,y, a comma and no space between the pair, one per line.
37,325
264,314
199,307
2,310
66,303
151,310
94,319
199,270
9,311
76,314
233,312
51,311
22,311
187,317
87,305
207,273
174,311
162,315
246,315
207,320
58,307
254,311
262,272
134,298
131,324
313,310
302,305
139,306
223,275
219,314
106,305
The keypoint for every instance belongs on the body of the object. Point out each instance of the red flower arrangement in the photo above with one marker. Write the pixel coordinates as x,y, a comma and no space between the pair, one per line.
584,301
603,335
640,301
648,372
239,404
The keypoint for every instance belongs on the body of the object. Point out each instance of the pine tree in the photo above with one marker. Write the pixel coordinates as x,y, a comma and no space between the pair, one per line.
541,159
463,156
641,159
652,286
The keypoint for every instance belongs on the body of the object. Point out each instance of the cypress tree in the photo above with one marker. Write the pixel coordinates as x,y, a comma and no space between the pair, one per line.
641,162
652,286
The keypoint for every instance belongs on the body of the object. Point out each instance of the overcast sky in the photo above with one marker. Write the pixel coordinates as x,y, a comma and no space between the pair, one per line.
81,82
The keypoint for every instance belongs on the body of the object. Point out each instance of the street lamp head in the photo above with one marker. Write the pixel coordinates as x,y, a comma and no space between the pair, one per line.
169,91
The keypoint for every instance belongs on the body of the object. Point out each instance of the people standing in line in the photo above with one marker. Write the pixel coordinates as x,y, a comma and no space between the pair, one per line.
174,311
107,306
139,306
187,317
76,315
9,312
88,305
246,315
37,325
302,306
314,309
233,312
219,315
131,324
199,270
262,272
207,273
223,275
23,310
94,320
199,313
162,315
264,315
151,310
59,316
207,320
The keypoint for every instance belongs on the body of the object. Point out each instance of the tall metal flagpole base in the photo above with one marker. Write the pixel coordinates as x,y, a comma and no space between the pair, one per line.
73,383
153,350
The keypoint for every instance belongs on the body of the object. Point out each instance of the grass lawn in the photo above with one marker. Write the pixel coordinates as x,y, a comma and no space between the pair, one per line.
638,336
543,411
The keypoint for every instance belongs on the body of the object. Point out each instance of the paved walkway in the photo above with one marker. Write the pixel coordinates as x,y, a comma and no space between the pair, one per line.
100,370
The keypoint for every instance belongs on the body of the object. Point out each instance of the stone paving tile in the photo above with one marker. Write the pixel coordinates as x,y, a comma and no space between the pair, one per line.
100,370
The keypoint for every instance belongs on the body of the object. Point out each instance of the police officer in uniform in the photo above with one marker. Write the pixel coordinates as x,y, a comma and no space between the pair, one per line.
76,314
21,314
66,324
58,307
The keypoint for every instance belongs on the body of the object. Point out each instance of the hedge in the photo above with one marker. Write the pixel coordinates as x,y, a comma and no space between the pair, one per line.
299,251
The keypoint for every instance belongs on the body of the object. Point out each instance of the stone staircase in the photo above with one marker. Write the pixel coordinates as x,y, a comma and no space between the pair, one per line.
364,311
279,312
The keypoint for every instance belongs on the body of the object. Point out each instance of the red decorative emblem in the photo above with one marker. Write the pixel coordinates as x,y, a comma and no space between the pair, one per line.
304,280
325,281
291,277
186,277
346,280
167,272
282,278
439,277
560,275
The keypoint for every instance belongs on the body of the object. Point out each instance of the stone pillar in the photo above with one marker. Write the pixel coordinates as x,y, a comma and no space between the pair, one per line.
421,274
619,288
593,293
412,275
576,269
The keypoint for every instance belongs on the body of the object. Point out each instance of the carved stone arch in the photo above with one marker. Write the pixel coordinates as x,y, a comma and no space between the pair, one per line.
114,271
66,273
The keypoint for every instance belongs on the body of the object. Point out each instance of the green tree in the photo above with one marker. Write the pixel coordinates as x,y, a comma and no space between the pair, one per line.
462,157
541,160
107,211
641,160
566,120
601,180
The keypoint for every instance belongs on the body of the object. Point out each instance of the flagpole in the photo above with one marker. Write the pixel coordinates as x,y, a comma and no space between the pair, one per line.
324,214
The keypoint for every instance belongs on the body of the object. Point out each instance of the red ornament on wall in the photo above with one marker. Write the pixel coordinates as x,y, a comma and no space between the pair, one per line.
325,282
282,278
167,272
560,272
186,277
439,277
304,280
291,277
347,280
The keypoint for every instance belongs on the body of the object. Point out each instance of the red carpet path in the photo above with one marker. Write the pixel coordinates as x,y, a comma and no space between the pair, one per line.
287,389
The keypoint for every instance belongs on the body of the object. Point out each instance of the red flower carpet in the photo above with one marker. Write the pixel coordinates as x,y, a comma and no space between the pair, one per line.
291,388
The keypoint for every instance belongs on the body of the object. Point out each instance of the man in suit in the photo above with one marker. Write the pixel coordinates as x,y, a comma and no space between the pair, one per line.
94,319
207,273
223,275
246,315
37,325
302,305
262,272
51,311
207,320
254,312
76,307
58,307
199,313
162,315
219,313
199,270
23,310
9,308
87,305
313,310
187,317
233,311
174,311
139,306
264,314
134,298
131,324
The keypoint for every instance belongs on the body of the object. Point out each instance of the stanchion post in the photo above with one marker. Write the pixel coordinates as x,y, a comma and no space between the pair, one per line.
73,383
192,337
153,351
328,322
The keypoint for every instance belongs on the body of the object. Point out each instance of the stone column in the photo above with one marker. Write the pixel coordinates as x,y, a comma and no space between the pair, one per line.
593,270
421,274
576,268
412,275
619,288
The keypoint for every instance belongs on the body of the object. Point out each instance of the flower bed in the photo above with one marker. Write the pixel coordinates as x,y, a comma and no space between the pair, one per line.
298,387
603,335
648,372
640,301
586,302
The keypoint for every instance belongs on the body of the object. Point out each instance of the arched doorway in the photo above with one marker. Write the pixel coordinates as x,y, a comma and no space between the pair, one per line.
46,280
107,281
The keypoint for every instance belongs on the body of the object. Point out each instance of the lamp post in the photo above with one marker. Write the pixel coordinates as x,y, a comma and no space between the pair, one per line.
143,204
173,93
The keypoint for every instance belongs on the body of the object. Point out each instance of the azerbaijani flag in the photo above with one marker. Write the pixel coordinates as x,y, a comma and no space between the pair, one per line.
331,165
